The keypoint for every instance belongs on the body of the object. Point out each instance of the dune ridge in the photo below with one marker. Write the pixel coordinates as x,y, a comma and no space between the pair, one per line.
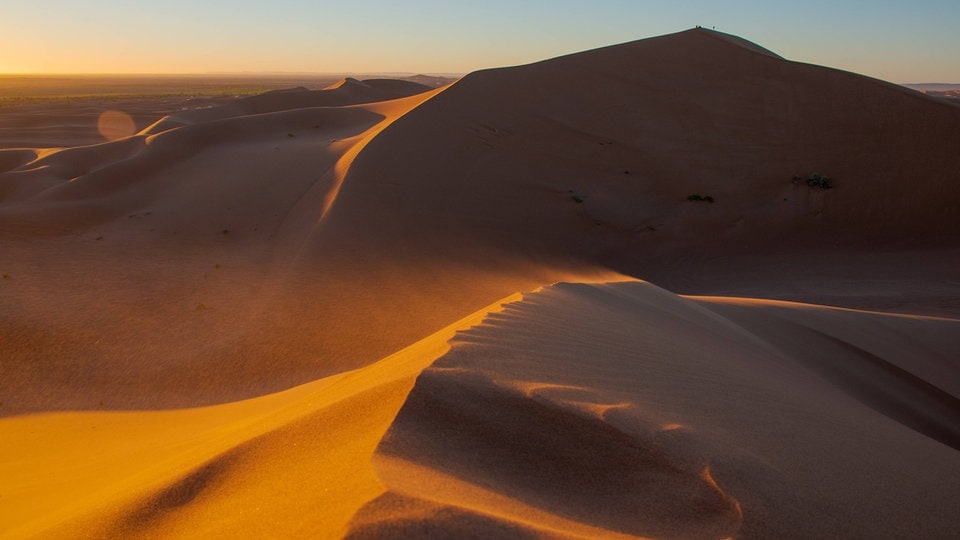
170,461
458,433
346,92
237,322
668,435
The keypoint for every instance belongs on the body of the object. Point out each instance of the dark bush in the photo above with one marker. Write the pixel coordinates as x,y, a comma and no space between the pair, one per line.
700,198
819,181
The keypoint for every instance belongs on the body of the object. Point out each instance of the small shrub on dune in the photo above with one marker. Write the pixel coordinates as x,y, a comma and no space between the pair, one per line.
576,198
700,198
819,181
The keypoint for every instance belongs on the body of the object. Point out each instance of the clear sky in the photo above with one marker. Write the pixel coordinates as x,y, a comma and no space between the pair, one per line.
901,41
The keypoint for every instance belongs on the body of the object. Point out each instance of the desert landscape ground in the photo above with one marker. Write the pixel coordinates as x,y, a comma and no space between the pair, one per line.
680,287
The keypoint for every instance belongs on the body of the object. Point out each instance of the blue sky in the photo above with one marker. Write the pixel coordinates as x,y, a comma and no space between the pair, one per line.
915,41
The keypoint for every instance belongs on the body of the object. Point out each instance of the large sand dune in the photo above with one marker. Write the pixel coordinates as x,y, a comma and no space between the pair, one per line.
385,310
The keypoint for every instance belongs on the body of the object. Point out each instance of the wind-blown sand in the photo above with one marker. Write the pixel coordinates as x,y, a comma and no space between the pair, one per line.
490,310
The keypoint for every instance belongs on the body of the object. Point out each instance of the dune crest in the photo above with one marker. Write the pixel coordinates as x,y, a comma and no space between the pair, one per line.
176,469
667,434
344,93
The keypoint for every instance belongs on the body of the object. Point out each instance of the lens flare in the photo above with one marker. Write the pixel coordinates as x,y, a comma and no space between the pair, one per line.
115,125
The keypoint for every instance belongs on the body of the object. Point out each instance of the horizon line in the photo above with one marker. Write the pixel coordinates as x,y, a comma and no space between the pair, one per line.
303,74
228,73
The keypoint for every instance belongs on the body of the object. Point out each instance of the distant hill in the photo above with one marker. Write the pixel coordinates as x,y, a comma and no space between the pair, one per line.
430,80
947,91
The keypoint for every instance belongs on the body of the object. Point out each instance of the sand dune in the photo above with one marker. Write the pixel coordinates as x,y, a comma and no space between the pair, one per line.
661,119
141,471
598,404
241,320
348,91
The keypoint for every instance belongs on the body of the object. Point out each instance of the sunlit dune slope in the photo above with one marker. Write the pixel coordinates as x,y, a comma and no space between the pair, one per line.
230,469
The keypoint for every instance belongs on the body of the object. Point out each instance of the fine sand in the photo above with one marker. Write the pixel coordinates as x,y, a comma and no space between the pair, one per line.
492,309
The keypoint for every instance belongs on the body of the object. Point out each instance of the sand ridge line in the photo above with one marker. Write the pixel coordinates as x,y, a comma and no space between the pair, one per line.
117,460
656,420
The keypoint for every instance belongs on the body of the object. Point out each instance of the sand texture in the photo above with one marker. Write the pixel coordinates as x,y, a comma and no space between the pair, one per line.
590,297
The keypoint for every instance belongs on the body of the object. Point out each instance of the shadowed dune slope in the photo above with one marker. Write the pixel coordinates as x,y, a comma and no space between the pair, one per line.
295,463
596,409
601,150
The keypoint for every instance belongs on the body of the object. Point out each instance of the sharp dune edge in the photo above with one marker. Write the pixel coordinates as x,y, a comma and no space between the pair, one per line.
382,310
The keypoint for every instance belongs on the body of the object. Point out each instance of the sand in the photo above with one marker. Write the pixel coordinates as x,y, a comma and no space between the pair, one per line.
490,309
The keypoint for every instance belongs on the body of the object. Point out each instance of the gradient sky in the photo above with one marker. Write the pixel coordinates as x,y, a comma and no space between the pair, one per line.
916,41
